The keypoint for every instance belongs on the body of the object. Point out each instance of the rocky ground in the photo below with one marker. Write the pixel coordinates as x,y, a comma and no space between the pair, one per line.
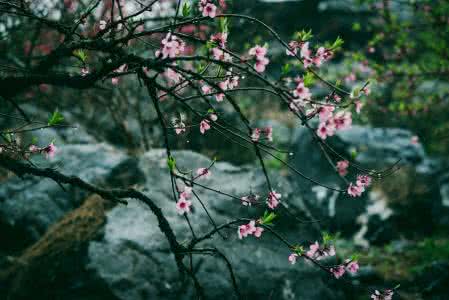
68,244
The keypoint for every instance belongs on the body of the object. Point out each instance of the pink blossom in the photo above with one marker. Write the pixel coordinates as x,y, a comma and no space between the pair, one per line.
321,56
209,10
342,167
292,258
318,253
273,199
223,85
338,271
326,129
301,91
269,133
249,229
337,98
261,61
366,90
414,140
352,267
186,194
292,49
305,52
342,120
220,38
242,231
183,206
34,149
258,51
385,295
258,232
115,80
180,128
255,136
313,249
221,55
203,172
261,64
233,81
204,126
326,112
355,190
206,89
50,151
363,181
172,46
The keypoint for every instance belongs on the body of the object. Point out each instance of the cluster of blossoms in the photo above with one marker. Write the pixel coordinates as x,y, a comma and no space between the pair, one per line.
49,151
273,199
183,204
321,55
330,122
231,82
207,8
249,229
315,252
356,190
205,123
318,252
221,55
267,131
259,52
351,266
171,46
384,295
220,39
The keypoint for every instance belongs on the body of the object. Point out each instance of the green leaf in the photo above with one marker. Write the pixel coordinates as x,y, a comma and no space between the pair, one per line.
268,218
356,26
298,249
186,9
223,25
80,54
303,35
285,69
309,79
171,162
55,118
337,44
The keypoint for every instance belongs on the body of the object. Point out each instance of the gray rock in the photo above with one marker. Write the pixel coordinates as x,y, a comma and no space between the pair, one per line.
129,258
134,254
375,148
